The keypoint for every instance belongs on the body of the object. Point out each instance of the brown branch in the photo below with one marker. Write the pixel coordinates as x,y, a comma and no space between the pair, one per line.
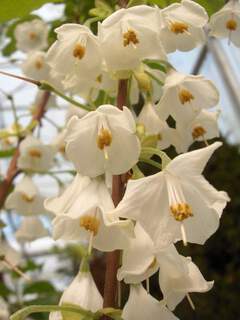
13,171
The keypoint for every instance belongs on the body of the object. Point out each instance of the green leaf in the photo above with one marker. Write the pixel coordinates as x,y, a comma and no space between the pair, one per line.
7,153
11,9
40,287
156,65
133,3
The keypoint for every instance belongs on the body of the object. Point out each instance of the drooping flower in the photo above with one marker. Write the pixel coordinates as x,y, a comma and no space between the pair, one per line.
75,57
34,155
178,276
142,306
105,139
202,128
226,22
31,229
182,26
87,297
80,213
26,198
177,203
130,35
35,66
12,256
183,96
31,35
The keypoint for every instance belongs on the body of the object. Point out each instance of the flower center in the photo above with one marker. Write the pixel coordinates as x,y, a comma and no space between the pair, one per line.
79,51
198,132
178,27
38,64
185,96
90,223
231,25
35,153
104,138
130,37
32,35
181,211
26,197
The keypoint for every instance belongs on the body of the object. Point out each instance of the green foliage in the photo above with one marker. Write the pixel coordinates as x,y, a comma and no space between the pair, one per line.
19,8
39,287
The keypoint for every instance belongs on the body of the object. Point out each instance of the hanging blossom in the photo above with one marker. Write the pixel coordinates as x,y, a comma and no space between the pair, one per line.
11,256
177,203
34,155
204,127
141,306
35,66
153,125
82,292
106,138
26,198
75,58
31,35
80,215
226,22
30,229
183,97
130,35
182,26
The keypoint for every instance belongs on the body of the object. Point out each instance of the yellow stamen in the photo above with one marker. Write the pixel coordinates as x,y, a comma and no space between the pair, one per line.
26,197
38,64
178,27
231,25
185,96
104,139
32,35
198,132
99,79
35,153
130,37
79,51
90,223
181,211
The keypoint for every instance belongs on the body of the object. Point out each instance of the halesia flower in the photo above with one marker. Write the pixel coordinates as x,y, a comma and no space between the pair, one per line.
103,141
153,125
75,56
204,127
178,276
183,97
4,310
177,203
142,306
138,259
130,35
35,66
26,198
226,22
182,26
31,229
34,155
82,292
80,215
10,255
31,35
75,111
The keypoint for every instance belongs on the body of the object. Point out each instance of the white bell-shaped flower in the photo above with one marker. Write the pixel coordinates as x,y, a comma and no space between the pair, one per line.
182,26
155,126
141,306
12,256
75,111
183,97
130,35
138,259
80,213
177,203
75,56
82,292
35,66
103,141
226,22
26,198
179,276
31,35
34,155
31,229
202,128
